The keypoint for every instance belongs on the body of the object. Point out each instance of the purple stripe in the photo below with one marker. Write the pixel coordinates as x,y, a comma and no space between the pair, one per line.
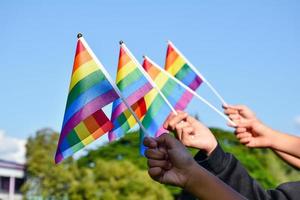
131,100
196,83
184,100
86,111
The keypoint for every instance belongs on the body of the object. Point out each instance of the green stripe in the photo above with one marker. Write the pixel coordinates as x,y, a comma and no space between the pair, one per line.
153,110
84,85
122,117
129,79
158,102
168,87
181,74
77,146
73,138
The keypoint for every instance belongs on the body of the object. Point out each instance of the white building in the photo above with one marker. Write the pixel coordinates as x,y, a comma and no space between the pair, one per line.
11,179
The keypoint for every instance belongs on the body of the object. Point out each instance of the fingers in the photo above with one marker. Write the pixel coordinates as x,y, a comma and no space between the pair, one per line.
179,128
173,120
240,130
168,141
243,135
158,163
230,111
155,173
245,140
234,116
155,154
150,142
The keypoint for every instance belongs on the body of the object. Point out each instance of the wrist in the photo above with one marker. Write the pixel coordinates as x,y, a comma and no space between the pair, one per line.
211,148
190,176
275,139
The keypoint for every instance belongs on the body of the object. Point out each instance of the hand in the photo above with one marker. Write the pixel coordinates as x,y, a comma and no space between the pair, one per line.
249,131
191,132
168,160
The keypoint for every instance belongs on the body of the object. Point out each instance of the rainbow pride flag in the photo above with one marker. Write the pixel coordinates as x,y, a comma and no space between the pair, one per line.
89,91
178,66
133,85
157,111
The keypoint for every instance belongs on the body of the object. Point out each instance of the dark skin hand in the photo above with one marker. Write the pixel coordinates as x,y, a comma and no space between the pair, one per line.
170,163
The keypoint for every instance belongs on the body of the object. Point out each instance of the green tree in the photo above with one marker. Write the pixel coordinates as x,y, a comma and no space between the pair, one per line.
100,179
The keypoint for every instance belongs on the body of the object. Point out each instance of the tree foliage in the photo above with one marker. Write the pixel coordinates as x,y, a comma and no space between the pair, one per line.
117,171
101,179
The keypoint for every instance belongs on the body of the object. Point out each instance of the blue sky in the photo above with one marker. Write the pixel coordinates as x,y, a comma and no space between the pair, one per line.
249,50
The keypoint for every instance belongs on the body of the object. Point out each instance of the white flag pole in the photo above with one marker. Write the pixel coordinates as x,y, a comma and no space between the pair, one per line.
190,90
148,78
110,80
200,75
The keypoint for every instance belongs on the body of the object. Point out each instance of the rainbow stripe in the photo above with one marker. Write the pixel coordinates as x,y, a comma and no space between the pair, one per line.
133,86
89,91
158,111
179,67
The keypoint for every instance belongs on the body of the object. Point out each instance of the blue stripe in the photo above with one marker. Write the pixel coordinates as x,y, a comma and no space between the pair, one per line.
175,95
189,78
134,87
90,94
130,90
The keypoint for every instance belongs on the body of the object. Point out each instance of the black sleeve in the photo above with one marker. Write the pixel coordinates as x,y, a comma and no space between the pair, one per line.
226,167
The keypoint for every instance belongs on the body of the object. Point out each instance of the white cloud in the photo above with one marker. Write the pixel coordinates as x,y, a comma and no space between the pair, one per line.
297,121
12,149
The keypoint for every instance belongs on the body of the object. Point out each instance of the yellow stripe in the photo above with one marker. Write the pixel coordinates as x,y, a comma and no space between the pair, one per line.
83,71
82,131
88,140
161,80
176,66
130,119
125,70
150,97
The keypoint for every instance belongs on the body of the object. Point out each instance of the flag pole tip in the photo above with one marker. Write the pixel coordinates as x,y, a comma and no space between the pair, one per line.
121,42
79,35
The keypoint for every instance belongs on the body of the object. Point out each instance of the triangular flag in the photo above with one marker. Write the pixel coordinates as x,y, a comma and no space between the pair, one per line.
89,91
133,85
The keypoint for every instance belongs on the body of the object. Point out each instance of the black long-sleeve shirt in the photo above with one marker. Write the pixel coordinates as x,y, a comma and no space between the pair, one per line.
226,167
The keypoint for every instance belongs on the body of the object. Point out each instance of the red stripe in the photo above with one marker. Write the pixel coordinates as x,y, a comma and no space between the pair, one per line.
79,47
100,117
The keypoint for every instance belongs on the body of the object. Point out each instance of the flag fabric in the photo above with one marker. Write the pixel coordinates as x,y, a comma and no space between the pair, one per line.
89,91
178,66
133,85
157,110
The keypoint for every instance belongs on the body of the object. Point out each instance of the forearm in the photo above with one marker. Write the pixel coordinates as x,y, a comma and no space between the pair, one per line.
292,160
285,143
206,186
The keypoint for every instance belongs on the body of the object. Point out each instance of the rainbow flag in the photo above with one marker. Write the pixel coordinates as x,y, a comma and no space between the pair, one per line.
89,91
178,66
133,85
157,110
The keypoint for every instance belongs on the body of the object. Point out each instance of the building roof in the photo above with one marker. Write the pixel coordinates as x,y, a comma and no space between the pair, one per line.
11,165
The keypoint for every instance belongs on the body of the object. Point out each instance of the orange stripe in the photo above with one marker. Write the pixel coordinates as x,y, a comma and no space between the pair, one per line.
98,133
91,124
80,59
150,69
103,129
171,57
153,72
123,58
